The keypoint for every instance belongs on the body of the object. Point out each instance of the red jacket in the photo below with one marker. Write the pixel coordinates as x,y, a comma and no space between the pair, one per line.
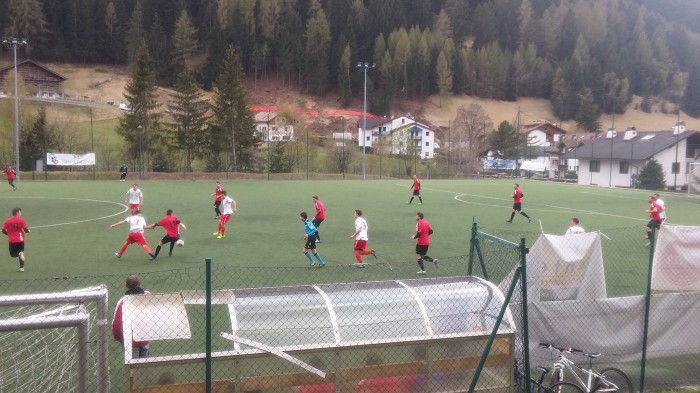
118,325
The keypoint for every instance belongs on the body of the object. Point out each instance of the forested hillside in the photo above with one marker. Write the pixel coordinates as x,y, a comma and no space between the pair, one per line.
586,56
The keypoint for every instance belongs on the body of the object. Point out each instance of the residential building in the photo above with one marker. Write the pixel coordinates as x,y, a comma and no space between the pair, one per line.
614,159
273,127
395,134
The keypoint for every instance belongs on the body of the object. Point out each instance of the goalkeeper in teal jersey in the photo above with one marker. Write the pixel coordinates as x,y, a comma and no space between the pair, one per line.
310,232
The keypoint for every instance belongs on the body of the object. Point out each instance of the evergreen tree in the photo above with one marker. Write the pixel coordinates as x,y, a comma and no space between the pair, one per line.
41,137
184,41
691,96
111,21
318,40
444,74
232,118
505,140
188,110
588,115
135,34
652,176
140,126
344,77
159,47
278,160
25,19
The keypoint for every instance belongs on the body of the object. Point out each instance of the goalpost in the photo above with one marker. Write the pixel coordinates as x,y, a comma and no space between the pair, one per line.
46,342
694,179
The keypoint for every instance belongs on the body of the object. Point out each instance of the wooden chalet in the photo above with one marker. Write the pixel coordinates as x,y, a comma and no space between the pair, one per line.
39,80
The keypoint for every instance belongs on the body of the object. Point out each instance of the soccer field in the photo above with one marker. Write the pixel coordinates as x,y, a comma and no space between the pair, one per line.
71,236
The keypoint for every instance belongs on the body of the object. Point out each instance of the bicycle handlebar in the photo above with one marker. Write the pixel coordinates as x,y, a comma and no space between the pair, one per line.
591,355
567,350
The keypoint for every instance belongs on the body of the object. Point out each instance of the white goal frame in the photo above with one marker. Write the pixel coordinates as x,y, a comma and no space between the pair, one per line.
98,295
694,179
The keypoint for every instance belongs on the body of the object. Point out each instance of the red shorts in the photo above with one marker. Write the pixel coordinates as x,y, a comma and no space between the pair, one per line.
224,218
360,245
134,206
135,237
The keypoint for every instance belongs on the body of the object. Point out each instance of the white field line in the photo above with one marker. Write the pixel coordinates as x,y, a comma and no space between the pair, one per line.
125,208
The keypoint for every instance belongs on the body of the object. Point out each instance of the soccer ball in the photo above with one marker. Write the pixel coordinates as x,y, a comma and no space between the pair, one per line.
180,243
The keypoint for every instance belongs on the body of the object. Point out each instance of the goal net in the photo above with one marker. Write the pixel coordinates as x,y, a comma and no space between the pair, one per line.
694,179
53,342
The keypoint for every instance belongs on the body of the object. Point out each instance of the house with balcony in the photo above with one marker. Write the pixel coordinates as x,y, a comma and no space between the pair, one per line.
273,127
397,135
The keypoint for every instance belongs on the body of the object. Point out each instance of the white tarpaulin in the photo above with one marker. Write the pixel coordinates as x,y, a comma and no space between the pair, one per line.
566,268
70,159
676,265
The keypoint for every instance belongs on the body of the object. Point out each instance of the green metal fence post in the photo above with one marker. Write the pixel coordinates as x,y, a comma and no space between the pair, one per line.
477,373
647,304
472,246
207,344
526,333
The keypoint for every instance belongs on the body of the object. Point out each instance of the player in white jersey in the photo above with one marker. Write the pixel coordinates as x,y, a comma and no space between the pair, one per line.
661,203
574,228
361,238
230,207
134,197
136,226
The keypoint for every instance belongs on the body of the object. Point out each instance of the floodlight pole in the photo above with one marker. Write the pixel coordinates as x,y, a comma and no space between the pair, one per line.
15,42
364,66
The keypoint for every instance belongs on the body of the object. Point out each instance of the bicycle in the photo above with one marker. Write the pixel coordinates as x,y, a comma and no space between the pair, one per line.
537,385
609,380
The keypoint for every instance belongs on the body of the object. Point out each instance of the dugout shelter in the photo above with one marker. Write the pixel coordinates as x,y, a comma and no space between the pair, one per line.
423,335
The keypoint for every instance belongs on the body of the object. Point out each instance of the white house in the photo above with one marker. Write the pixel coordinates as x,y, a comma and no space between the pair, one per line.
543,140
395,134
614,159
273,127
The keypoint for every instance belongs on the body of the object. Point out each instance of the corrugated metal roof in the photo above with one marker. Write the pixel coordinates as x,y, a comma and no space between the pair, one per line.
643,146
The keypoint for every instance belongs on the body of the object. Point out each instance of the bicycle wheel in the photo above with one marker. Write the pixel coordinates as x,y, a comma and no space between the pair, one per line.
563,387
557,376
619,378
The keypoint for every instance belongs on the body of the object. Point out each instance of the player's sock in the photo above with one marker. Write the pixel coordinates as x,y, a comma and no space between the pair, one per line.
311,260
172,244
420,199
409,202
123,249
358,257
217,211
320,260
157,250
525,214
427,258
21,259
366,252
420,264
512,214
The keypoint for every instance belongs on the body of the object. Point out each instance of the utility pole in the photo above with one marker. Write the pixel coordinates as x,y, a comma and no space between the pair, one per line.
15,42
364,66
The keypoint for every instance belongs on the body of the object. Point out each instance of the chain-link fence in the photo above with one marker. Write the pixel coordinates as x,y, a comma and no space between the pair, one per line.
394,334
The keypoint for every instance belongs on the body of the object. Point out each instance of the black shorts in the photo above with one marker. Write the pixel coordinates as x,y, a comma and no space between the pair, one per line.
416,192
168,239
654,224
317,222
16,248
517,207
421,249
310,242
217,203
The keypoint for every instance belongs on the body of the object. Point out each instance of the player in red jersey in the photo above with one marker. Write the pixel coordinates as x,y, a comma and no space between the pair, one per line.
136,226
517,204
218,197
319,216
655,212
11,174
15,227
416,190
172,225
422,237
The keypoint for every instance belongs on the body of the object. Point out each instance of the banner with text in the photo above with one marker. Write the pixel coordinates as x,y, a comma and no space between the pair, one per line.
70,159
